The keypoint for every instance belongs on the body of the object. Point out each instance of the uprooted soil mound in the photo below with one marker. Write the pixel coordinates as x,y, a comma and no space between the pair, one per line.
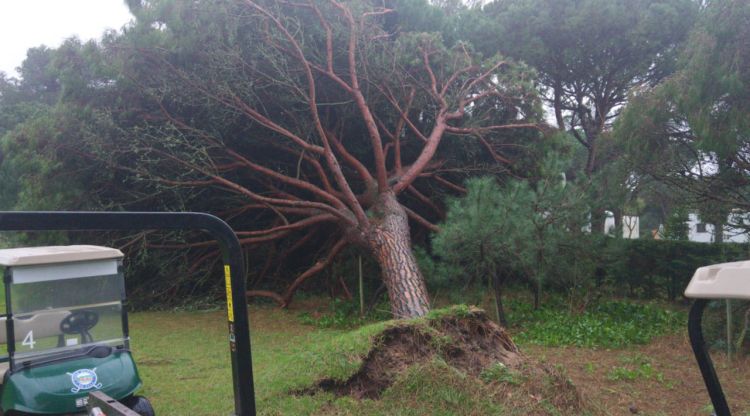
466,340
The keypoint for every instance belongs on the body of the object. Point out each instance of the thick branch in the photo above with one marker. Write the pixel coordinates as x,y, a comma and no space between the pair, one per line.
450,185
331,160
312,271
428,152
427,201
293,226
477,130
266,294
243,241
288,180
352,161
359,99
256,197
421,220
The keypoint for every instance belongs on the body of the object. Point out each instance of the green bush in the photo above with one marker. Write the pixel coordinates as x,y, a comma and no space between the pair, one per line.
662,268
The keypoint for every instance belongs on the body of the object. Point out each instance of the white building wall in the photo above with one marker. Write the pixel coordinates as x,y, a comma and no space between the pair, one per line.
630,225
700,236
734,234
697,231
705,233
609,223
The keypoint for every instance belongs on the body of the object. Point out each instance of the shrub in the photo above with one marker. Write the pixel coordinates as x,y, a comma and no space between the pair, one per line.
662,268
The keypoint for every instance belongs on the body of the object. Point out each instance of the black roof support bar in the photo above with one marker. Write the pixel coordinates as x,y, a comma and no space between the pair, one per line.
704,359
239,328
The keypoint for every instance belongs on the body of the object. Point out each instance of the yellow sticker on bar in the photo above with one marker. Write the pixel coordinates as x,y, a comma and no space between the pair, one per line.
228,282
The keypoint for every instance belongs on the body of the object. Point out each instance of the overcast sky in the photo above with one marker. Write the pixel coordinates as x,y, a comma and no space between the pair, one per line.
29,23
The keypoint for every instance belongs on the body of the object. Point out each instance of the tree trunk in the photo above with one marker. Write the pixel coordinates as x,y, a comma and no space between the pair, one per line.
617,213
598,220
497,285
591,157
718,231
390,243
558,106
537,280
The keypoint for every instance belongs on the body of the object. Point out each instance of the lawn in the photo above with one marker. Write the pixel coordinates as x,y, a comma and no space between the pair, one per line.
183,360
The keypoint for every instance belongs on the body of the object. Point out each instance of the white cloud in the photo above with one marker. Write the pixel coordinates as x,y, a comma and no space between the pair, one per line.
28,23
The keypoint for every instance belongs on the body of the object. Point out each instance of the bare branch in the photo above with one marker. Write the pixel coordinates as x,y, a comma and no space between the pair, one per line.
312,271
421,220
293,226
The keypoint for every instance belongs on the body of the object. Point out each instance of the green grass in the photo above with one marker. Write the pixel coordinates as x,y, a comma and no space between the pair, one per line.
635,367
184,362
609,324
343,314
433,388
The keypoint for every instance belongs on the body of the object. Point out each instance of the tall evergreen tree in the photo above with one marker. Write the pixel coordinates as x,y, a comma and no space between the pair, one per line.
693,131
528,228
591,53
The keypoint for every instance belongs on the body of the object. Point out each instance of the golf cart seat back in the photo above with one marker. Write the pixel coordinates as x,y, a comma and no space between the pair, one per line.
44,325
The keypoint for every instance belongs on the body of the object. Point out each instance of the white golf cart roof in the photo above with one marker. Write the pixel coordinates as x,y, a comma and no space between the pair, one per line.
28,256
721,281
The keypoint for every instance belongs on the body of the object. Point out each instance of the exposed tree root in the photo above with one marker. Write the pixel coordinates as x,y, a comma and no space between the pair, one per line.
472,344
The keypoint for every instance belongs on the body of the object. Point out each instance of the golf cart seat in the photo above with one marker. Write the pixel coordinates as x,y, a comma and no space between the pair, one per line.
44,325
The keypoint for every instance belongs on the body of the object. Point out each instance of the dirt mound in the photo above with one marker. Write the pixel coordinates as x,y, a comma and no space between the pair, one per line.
466,340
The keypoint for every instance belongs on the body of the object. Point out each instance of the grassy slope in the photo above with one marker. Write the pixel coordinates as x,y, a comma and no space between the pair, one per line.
183,362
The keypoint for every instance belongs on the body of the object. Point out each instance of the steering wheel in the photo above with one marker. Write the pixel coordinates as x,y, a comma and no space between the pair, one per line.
79,323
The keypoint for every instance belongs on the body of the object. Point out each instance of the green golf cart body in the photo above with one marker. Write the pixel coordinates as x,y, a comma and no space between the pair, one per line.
64,329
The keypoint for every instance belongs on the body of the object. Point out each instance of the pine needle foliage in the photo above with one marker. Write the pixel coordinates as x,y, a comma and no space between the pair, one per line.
521,230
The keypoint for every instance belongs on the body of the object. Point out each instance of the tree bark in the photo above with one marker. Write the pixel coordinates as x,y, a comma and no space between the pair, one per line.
390,242
497,286
718,231
558,106
618,212
598,219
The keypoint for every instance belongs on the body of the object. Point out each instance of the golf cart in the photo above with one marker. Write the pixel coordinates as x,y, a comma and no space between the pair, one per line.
65,331
718,281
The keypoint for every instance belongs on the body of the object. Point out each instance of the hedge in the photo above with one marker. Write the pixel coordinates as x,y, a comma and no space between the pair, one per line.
656,268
